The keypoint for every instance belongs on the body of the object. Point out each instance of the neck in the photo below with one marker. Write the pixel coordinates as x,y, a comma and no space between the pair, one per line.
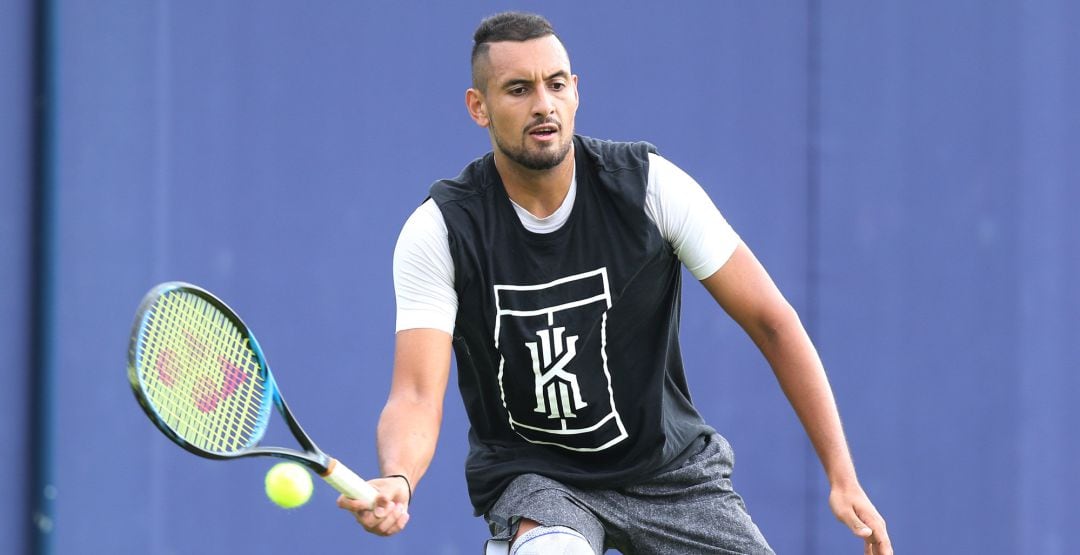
540,192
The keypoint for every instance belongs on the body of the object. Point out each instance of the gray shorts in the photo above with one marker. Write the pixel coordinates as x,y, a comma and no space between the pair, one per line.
687,510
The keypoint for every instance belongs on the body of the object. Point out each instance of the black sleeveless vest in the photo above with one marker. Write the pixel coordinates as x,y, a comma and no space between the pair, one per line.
567,343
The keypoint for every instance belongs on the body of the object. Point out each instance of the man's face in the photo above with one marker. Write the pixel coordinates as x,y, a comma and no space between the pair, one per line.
528,101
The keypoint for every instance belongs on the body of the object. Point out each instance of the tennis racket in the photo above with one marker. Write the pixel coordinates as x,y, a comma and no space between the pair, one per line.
201,377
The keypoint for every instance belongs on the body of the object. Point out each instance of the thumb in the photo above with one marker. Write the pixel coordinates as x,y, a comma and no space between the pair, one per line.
382,506
859,528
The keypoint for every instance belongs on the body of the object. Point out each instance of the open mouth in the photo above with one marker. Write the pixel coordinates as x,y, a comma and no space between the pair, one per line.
544,131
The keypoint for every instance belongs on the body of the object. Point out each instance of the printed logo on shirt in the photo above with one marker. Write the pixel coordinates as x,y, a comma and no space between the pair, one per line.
553,374
557,390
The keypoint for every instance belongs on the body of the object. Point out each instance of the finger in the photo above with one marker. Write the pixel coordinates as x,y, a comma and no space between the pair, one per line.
366,519
859,528
879,535
393,522
384,520
356,505
880,543
351,504
883,547
382,506
384,517
401,519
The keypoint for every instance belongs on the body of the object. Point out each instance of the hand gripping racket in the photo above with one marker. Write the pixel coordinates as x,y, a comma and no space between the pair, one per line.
201,377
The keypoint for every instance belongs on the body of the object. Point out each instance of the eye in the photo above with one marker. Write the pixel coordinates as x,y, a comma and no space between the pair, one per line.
558,85
518,91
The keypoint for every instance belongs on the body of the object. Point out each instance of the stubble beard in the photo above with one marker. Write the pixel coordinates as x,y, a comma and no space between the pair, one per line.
538,160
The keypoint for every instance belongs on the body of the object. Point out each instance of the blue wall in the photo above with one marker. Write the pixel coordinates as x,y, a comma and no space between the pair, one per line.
908,173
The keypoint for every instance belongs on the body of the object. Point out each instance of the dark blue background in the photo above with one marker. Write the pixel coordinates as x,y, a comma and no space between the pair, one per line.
908,172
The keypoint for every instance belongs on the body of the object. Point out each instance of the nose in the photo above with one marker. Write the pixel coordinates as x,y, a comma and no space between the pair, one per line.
544,104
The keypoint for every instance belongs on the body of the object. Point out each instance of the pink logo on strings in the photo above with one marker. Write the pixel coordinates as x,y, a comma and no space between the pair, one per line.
166,366
209,395
207,392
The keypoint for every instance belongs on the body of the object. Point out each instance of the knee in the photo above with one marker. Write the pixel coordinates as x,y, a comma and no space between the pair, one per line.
551,540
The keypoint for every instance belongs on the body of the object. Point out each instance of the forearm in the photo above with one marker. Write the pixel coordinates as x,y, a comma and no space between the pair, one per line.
408,428
406,437
409,425
799,371
802,377
748,294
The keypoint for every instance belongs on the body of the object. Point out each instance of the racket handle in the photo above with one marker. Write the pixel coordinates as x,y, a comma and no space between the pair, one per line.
348,483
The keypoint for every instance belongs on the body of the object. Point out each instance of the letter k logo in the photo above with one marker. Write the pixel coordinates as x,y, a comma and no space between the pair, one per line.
557,390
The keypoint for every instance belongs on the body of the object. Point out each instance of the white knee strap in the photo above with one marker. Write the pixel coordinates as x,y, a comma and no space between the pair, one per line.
551,540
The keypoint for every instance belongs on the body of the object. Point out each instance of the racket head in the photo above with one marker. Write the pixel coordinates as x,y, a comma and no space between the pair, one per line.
198,372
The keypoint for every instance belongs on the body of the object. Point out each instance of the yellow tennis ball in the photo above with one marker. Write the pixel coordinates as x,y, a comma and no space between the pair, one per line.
288,485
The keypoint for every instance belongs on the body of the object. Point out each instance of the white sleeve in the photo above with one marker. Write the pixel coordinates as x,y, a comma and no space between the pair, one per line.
424,272
703,240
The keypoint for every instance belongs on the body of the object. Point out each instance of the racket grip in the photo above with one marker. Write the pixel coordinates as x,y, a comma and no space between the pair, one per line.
348,483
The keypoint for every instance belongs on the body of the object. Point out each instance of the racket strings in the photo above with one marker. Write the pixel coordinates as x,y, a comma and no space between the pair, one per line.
201,374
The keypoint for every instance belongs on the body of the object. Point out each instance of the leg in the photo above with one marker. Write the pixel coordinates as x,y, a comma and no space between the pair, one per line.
549,540
541,515
693,509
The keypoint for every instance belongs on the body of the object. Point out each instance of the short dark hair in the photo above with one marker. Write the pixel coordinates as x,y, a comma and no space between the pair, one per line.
506,26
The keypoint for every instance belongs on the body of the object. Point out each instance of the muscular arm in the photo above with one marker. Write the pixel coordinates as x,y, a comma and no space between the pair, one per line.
408,427
746,292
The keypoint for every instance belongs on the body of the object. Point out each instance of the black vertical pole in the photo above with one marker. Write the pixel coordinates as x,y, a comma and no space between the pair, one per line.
42,492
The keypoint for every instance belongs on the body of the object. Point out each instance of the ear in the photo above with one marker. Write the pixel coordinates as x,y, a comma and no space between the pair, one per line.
474,102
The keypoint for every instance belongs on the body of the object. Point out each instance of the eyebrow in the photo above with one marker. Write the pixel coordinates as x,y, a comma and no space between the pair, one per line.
562,73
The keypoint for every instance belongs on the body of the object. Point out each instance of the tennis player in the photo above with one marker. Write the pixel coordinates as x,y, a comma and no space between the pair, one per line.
551,268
